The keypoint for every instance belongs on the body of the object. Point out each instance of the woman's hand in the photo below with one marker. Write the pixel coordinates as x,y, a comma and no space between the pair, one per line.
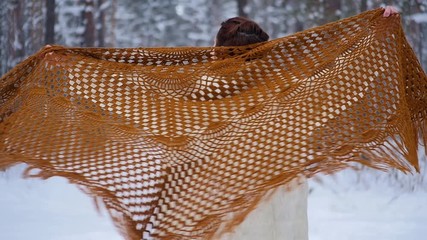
390,10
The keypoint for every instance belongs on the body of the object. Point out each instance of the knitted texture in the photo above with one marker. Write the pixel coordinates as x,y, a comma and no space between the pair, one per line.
170,140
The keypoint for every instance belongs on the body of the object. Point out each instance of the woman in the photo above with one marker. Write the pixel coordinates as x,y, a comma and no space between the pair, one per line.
282,214
239,31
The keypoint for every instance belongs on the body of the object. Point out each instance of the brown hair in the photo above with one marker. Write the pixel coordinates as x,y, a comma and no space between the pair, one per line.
239,31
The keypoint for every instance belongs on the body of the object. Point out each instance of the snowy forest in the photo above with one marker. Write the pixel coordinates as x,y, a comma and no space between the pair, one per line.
380,206
27,25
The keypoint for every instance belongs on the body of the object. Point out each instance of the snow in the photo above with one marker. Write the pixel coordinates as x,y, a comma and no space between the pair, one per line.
49,209
343,207
419,17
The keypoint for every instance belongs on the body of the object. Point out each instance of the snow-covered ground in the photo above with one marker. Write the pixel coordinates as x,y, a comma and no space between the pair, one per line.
49,209
347,208
342,207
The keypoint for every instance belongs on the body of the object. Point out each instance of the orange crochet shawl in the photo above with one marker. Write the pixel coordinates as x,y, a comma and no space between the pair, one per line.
172,139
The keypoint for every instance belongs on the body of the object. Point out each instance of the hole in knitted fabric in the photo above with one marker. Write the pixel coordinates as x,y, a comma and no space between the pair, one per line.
33,172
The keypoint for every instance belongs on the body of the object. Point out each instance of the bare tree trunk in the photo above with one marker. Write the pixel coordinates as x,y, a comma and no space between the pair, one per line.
101,23
112,33
50,22
89,24
36,22
332,9
16,33
363,5
4,36
241,4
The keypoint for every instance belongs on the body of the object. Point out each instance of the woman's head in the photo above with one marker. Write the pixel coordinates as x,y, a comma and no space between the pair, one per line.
239,31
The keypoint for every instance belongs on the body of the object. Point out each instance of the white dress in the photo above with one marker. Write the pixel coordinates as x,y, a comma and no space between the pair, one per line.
280,216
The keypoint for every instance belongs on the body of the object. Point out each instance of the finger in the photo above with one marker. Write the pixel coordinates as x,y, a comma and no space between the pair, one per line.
390,10
387,12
